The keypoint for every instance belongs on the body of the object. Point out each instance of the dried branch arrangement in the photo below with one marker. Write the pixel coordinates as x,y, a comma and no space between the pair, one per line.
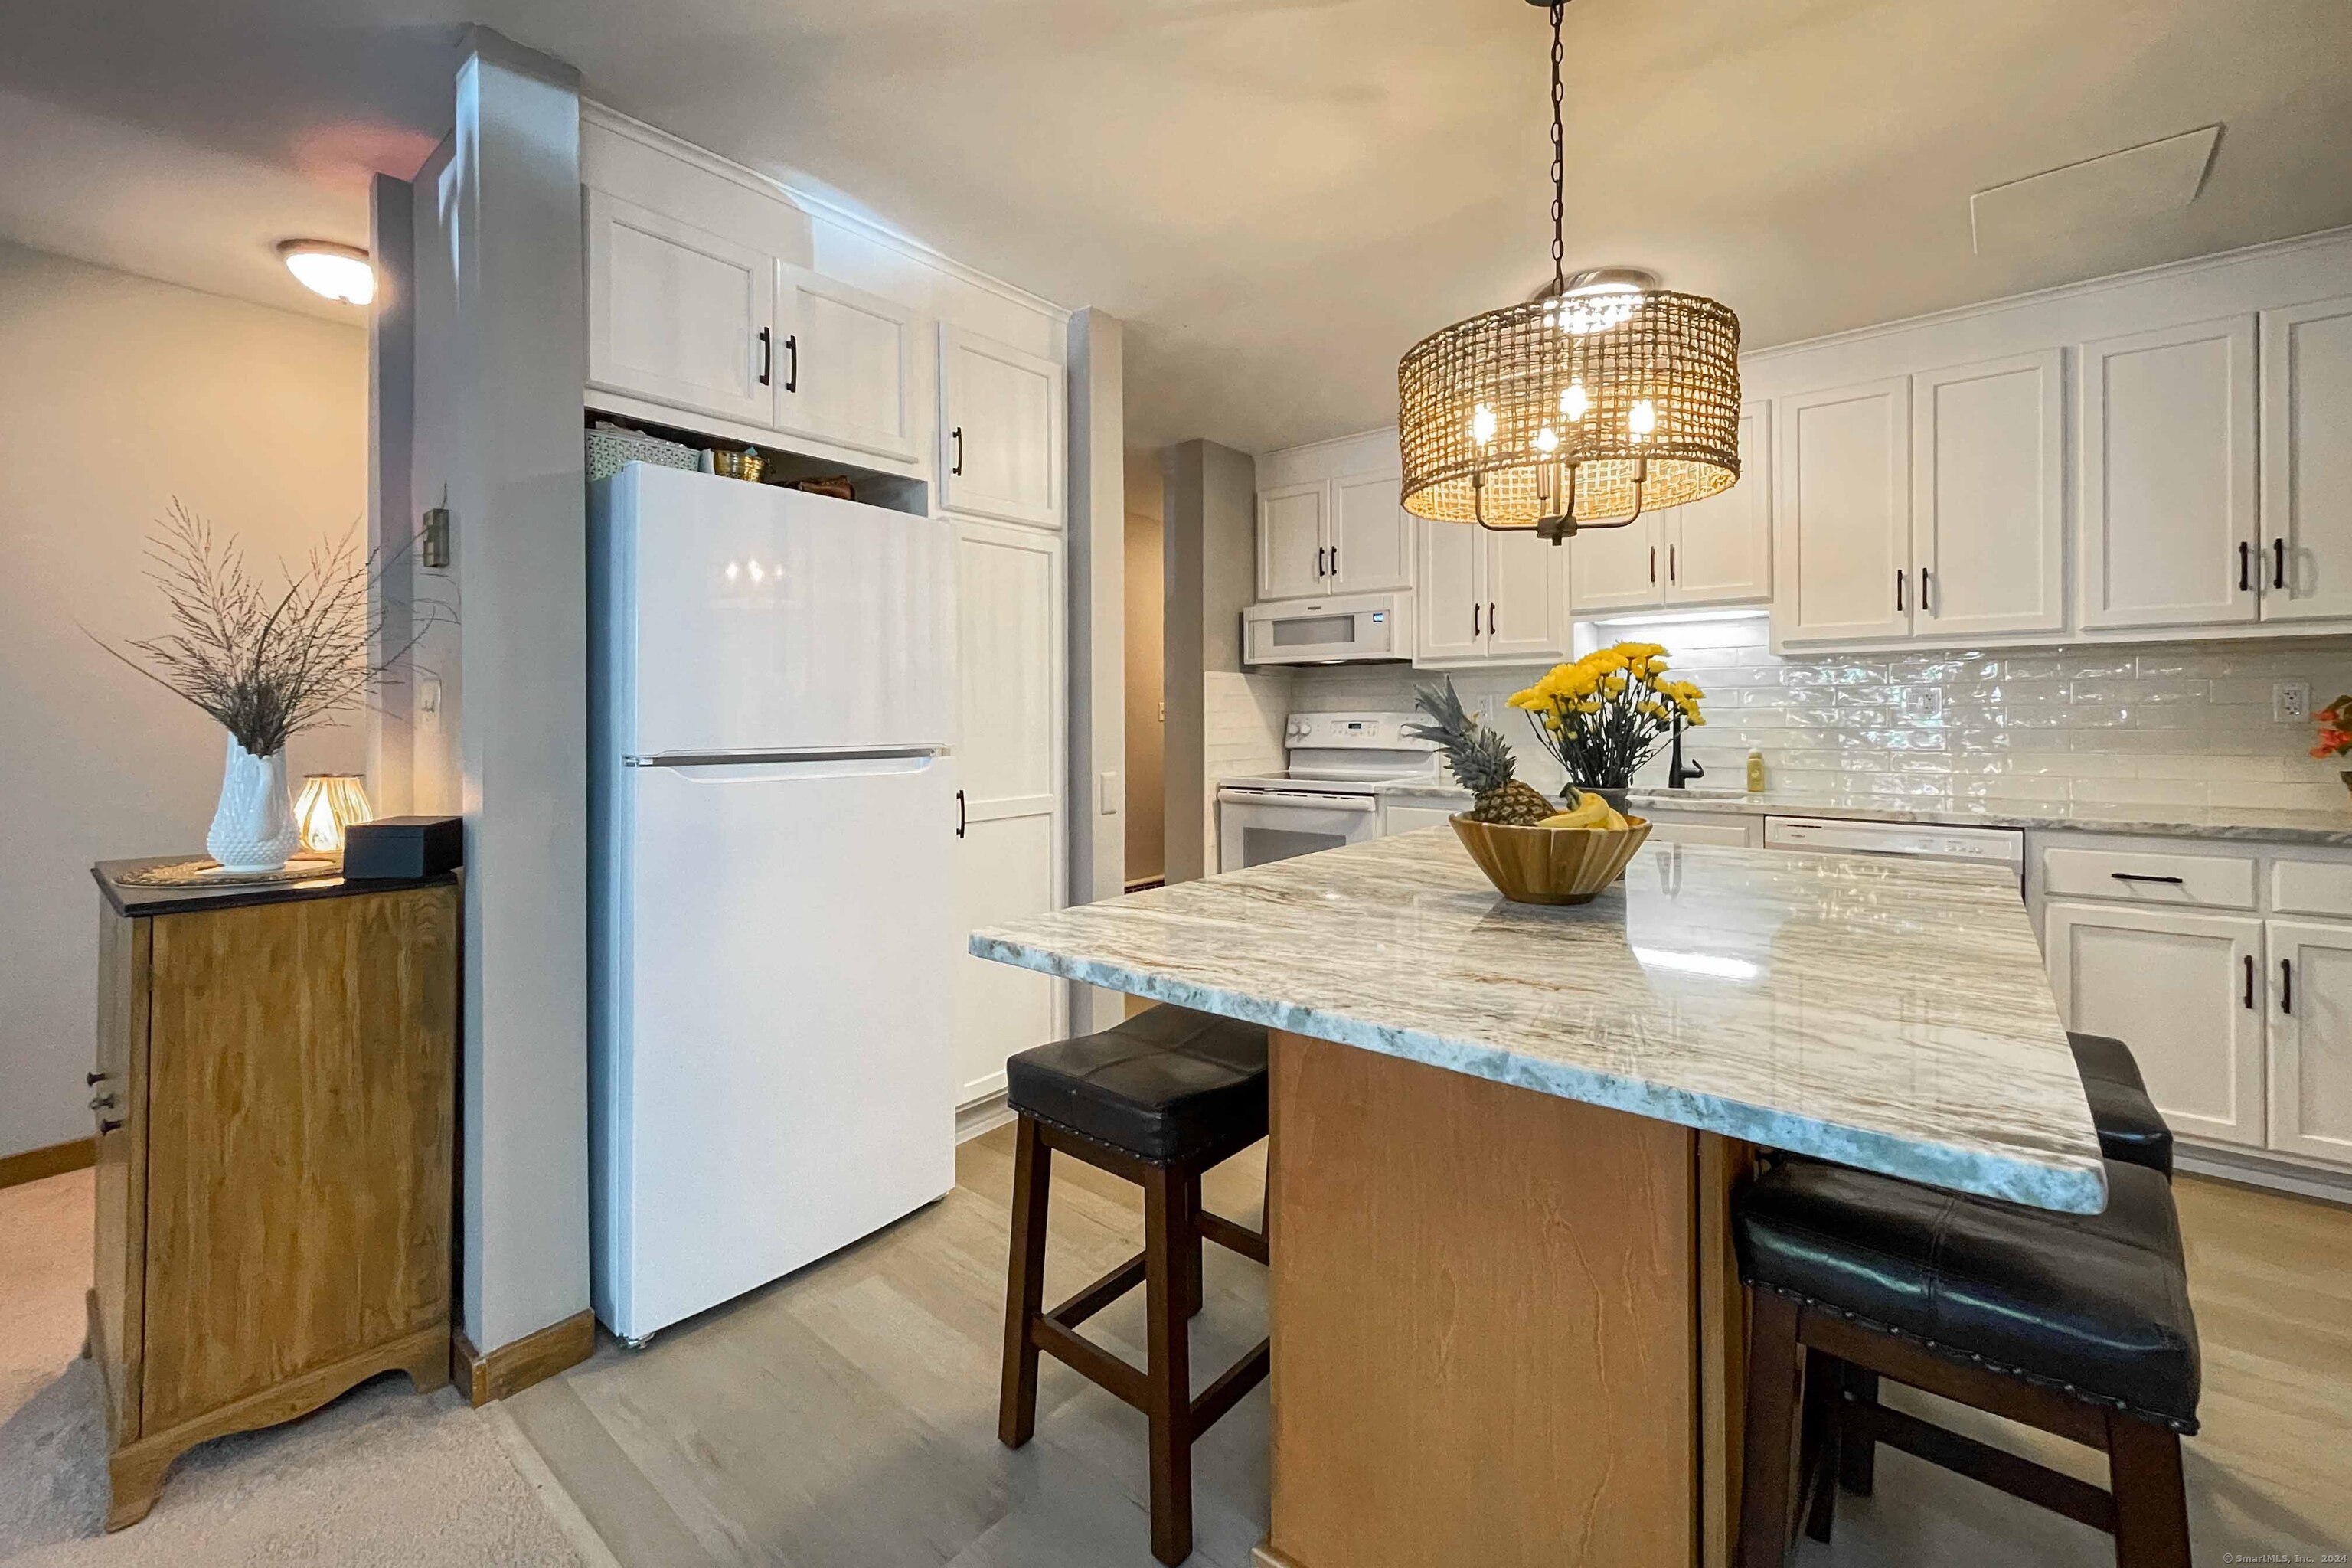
269,661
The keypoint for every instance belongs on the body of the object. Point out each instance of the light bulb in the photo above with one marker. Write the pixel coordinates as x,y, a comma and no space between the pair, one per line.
1642,419
336,272
1546,441
1575,403
1482,425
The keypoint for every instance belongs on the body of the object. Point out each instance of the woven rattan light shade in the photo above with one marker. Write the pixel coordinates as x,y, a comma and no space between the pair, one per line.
1679,354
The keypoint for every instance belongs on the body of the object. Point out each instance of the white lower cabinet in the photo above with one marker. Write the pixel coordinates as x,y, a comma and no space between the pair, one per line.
2184,990
1727,829
1009,863
2311,1038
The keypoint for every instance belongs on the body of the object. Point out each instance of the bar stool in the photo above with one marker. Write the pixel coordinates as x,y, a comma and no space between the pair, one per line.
2078,1324
1158,1099
2129,1127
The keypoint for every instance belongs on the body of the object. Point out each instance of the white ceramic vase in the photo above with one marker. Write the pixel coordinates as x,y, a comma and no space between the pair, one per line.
254,830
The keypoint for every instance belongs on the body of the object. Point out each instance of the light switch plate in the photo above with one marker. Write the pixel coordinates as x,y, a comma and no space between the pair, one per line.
1110,792
2290,702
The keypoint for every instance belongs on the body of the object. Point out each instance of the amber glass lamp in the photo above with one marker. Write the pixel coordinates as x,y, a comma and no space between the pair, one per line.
328,803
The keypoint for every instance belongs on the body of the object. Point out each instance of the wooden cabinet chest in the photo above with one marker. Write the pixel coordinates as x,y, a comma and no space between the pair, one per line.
276,1106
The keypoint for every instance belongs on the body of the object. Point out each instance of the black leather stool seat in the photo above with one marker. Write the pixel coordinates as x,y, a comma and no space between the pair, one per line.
2095,1304
2129,1127
1167,1084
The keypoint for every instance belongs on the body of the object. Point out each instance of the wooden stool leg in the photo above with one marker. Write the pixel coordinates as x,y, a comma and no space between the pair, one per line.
1775,1367
1858,1456
1825,1383
1169,1223
2151,1498
1024,1288
1191,1258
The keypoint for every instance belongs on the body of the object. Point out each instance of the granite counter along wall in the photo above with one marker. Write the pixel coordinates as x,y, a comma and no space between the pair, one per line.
2109,731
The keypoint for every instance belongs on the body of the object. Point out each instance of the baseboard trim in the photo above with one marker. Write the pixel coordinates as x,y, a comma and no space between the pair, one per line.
2252,1170
985,1114
515,1366
56,1160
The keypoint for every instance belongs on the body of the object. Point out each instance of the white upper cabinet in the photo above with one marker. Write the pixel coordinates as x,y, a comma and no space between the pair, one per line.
1488,597
2166,446
677,315
1989,498
1719,550
1841,472
1612,569
1294,532
1344,535
1370,537
1001,410
845,367
2306,435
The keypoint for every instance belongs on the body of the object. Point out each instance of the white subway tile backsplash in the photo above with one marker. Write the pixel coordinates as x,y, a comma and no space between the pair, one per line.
2116,730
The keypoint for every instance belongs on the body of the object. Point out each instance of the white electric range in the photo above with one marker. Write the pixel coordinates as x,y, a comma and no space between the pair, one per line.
1324,798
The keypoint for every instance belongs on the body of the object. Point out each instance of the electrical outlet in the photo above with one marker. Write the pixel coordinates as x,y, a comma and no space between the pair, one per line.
2290,700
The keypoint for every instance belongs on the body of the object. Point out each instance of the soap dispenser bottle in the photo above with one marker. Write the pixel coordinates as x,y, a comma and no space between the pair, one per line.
1755,772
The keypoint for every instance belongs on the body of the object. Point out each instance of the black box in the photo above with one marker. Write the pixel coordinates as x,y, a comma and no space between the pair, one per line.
403,849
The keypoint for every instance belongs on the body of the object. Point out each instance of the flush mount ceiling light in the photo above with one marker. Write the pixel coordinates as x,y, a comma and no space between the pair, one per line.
337,271
1601,397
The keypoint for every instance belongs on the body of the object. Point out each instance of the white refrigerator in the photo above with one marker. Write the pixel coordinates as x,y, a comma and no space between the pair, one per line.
774,818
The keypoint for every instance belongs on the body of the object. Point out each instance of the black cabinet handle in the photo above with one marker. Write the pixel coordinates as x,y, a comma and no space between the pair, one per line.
1318,564
959,814
2250,983
93,1080
1474,620
956,436
109,1124
792,362
2140,877
1902,597
2278,561
767,355
1673,563
1924,603
2286,985
1653,563
1335,561
1492,626
2245,567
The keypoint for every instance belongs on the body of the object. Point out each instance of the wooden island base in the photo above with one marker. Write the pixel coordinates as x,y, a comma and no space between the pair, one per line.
1506,1326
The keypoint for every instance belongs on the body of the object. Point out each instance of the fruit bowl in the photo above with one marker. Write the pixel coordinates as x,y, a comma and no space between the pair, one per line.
1550,865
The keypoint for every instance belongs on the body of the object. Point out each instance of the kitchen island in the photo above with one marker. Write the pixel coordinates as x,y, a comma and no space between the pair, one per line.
1506,1325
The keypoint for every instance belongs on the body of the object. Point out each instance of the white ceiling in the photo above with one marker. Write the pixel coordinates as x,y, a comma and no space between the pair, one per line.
1279,195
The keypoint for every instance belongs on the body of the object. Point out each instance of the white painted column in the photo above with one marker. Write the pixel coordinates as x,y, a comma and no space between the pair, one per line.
392,516
1097,615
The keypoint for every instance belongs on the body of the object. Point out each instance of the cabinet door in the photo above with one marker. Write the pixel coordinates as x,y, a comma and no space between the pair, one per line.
2311,1038
2166,441
677,315
121,1179
845,366
1372,536
2185,992
1294,530
2307,461
1719,550
1450,612
1010,858
1523,619
1002,412
1989,497
1617,568
1842,474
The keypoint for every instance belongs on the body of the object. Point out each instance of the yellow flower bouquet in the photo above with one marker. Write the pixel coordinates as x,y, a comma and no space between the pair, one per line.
1607,714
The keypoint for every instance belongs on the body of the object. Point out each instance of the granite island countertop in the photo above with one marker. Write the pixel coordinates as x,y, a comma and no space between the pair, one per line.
1890,1015
2325,829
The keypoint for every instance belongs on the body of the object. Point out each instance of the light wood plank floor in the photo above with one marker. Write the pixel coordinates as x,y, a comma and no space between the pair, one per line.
846,1417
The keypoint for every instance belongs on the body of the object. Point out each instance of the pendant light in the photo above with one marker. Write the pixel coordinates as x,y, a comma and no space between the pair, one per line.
1604,397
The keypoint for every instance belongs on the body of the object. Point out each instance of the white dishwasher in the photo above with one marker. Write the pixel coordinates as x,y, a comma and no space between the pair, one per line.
1837,835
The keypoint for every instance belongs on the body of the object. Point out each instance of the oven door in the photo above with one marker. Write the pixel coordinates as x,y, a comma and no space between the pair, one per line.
1258,827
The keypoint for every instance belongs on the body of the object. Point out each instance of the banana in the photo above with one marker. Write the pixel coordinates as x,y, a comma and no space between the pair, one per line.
1590,812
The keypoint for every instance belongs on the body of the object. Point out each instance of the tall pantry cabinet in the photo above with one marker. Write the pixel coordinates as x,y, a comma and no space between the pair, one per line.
718,306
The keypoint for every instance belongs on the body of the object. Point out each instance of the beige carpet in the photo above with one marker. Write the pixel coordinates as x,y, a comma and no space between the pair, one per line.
379,1477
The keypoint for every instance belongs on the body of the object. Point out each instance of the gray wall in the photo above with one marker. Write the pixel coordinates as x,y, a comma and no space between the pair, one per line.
1209,517
118,393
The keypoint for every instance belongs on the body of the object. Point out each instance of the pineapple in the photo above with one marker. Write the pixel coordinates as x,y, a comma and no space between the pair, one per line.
1480,758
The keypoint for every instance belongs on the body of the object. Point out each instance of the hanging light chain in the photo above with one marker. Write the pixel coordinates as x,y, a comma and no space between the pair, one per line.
1558,164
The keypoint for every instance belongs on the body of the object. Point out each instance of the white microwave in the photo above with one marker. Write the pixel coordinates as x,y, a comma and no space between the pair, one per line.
1357,627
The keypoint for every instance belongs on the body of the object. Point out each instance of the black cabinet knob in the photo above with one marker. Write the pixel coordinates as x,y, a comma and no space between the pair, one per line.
93,1079
109,1124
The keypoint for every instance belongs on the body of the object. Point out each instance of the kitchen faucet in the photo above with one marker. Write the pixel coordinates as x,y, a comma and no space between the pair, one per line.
1679,773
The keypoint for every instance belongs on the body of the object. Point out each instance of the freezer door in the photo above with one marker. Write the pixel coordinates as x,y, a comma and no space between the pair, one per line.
764,620
788,1055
